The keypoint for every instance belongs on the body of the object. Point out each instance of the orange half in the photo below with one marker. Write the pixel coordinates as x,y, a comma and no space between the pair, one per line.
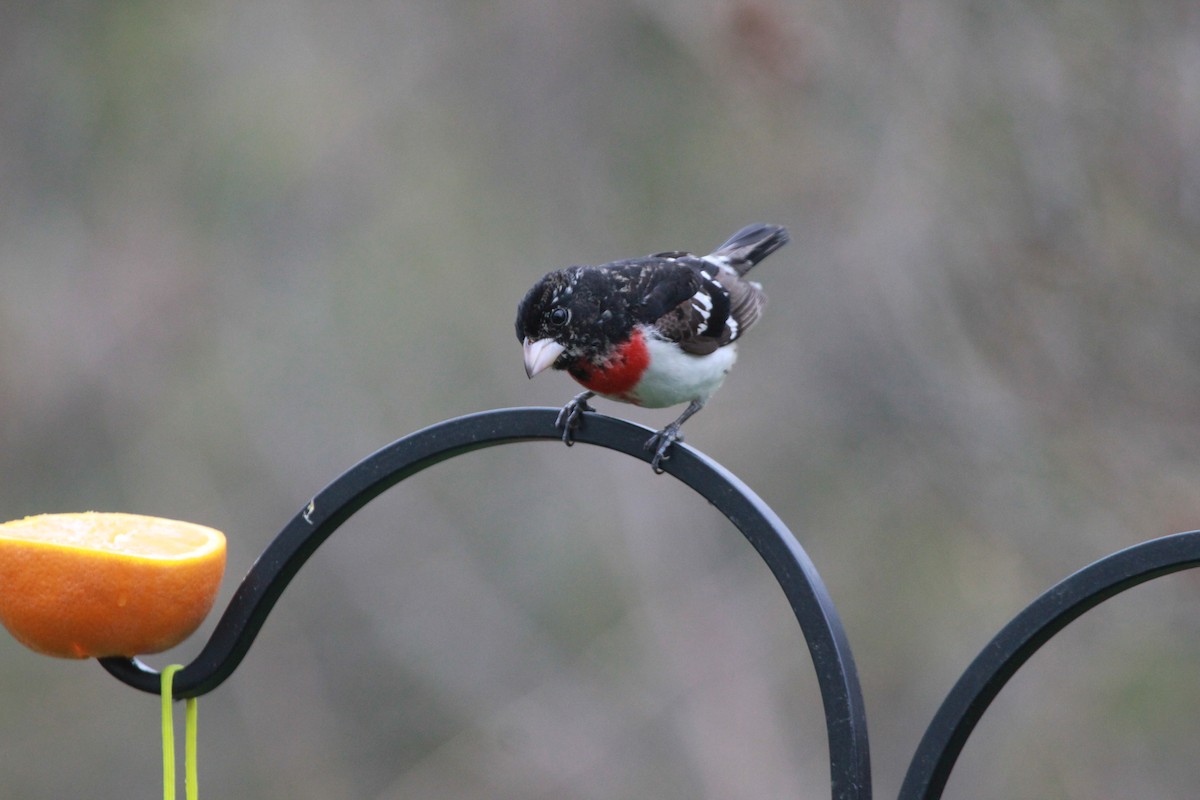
93,584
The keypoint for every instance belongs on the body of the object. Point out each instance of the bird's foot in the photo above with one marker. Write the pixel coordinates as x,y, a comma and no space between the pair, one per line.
571,415
660,443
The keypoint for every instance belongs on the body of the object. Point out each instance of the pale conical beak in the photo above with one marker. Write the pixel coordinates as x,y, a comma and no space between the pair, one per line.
540,354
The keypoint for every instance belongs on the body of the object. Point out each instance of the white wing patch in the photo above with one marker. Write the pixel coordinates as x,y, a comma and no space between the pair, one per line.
702,305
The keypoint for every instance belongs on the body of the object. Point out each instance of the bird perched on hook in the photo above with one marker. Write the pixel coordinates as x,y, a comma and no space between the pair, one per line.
654,331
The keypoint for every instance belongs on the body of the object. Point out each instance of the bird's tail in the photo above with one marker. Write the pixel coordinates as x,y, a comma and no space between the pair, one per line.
750,245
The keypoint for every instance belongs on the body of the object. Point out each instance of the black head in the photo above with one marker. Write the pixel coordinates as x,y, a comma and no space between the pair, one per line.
580,308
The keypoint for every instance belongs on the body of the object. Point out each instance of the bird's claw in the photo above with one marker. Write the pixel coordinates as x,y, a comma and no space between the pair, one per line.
571,415
660,443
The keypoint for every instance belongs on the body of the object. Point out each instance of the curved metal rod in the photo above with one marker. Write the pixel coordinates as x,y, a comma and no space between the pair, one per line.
845,714
1019,639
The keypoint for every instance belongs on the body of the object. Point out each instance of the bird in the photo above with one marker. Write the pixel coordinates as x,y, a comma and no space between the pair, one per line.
655,331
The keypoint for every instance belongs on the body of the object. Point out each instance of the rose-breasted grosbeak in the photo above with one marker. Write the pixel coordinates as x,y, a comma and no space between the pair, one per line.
653,331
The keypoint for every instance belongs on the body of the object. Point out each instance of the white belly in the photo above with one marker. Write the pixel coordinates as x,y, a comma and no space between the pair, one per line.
675,377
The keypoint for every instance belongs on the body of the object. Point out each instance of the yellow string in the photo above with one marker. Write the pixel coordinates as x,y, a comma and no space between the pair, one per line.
191,785
168,733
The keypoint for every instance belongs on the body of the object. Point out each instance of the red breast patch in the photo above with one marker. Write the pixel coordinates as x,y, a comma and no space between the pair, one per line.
621,372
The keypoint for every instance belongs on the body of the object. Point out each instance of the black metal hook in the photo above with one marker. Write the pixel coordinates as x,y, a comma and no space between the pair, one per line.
1056,608
845,714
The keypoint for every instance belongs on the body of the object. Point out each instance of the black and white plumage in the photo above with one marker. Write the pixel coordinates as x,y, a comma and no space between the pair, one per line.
654,331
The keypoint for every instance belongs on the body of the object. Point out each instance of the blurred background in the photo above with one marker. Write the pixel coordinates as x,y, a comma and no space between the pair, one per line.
245,244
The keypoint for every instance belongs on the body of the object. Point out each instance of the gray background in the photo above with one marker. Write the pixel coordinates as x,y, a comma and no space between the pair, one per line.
244,244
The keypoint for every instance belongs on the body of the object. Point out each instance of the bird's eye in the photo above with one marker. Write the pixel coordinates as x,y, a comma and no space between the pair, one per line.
560,316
